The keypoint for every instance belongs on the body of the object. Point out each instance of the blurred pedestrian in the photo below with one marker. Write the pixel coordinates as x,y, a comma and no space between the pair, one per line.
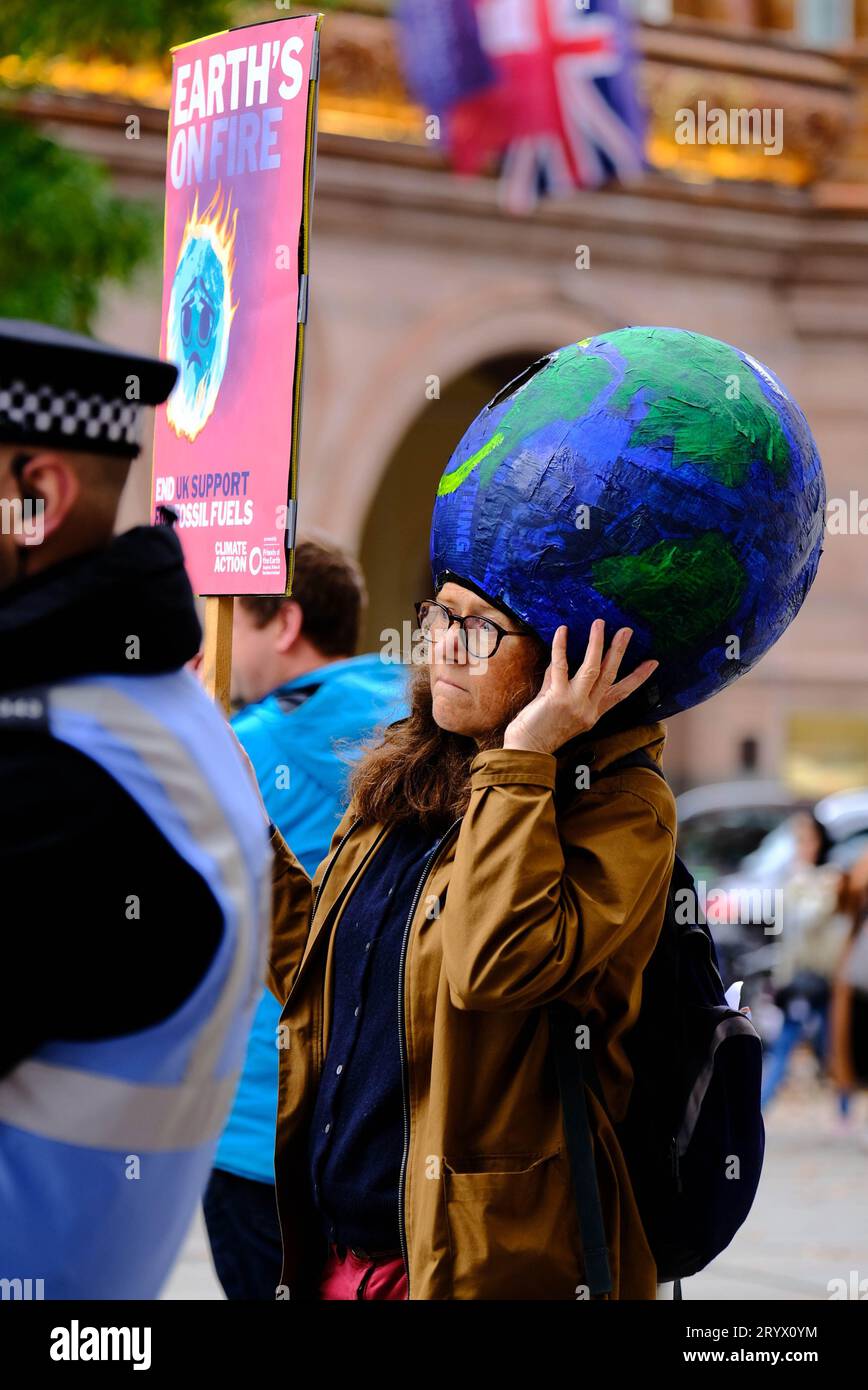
308,701
848,1027
133,849
809,948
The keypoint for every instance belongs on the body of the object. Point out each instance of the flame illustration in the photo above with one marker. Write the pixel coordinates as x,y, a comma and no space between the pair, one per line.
216,226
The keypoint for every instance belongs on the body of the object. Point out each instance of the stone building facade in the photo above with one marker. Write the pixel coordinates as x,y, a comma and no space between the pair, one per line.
426,298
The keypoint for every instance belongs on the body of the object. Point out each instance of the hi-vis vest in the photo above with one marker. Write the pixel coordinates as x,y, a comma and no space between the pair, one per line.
105,1147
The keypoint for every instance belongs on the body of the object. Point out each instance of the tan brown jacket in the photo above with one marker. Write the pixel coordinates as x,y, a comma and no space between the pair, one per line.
539,907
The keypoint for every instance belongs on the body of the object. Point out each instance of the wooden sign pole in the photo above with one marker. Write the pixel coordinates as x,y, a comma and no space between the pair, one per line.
217,654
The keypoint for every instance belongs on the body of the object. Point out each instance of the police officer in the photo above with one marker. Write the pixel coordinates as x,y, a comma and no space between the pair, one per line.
134,855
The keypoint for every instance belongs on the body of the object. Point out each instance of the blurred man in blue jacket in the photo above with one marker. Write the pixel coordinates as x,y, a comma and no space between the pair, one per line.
302,692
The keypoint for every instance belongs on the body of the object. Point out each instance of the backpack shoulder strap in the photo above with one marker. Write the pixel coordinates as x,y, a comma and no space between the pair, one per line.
573,1068
638,758
569,1066
566,790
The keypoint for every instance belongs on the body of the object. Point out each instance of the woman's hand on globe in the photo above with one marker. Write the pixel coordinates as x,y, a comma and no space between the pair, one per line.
564,708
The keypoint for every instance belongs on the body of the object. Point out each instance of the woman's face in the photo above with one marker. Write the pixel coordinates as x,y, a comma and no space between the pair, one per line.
475,696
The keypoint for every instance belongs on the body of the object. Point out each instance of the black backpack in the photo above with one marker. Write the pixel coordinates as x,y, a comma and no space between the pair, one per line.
693,1137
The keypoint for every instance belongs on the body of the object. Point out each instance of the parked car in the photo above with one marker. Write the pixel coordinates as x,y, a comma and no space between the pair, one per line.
720,824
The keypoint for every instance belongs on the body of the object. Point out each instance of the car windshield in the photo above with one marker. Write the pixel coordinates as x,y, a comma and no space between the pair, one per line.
716,842
775,853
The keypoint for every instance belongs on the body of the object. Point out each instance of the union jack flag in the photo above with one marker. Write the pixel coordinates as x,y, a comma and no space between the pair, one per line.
560,109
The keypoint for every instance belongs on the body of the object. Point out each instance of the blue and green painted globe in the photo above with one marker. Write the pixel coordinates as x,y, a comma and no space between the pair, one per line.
655,478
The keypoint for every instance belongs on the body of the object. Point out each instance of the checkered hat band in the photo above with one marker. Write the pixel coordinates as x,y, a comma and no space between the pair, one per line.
44,410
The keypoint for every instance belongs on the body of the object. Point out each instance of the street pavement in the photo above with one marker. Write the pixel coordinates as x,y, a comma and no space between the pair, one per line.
808,1225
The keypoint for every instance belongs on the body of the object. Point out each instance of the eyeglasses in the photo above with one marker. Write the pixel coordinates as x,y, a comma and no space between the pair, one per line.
480,637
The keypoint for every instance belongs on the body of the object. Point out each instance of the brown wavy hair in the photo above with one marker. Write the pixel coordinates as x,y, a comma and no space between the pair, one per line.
418,771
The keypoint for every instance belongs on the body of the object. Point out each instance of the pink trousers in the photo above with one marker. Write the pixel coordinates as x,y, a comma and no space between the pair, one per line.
348,1275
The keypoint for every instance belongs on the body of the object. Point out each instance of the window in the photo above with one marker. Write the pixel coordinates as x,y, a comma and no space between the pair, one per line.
824,23
652,11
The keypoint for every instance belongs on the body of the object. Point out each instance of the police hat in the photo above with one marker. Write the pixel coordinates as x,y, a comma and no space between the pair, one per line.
63,390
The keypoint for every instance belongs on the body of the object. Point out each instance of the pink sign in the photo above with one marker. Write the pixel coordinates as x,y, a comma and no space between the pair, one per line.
238,186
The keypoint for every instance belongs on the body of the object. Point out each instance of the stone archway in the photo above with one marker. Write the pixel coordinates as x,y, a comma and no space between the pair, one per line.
394,543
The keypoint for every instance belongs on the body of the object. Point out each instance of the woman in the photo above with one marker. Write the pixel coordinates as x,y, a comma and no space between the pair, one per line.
420,1144
809,949
482,871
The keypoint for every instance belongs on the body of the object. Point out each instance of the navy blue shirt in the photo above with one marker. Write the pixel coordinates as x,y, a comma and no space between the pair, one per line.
357,1132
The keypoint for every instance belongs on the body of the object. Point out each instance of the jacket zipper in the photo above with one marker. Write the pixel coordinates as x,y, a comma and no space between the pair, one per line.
359,871
322,885
402,1044
325,878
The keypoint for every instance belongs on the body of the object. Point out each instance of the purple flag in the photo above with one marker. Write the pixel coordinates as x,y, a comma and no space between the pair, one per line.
443,58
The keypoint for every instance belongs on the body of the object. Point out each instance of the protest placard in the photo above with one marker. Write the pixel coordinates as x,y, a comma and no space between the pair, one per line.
239,180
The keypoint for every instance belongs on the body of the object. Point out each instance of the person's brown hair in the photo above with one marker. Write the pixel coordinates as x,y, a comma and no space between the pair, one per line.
418,771
329,587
